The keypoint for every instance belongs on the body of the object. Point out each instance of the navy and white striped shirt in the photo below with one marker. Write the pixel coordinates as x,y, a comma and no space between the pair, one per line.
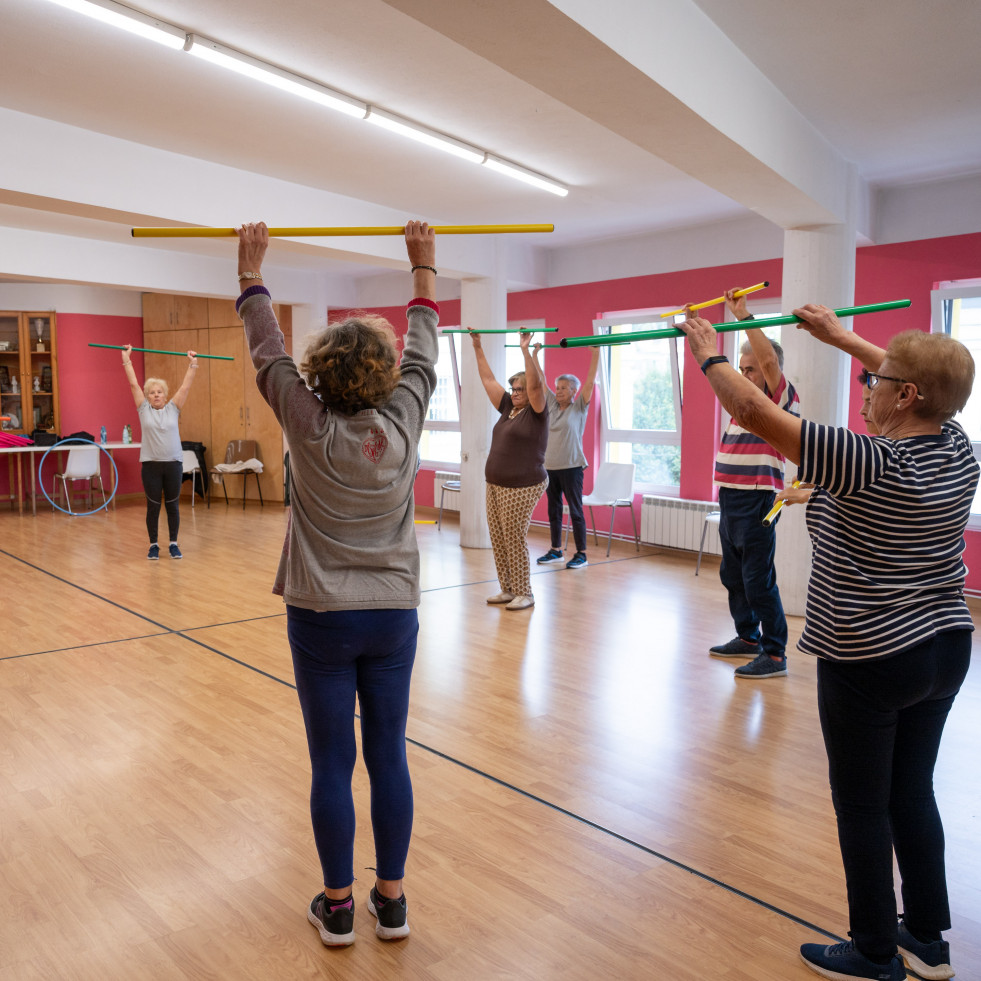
887,525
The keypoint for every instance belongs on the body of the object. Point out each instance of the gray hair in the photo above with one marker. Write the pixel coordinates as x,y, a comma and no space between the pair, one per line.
571,379
747,348
152,382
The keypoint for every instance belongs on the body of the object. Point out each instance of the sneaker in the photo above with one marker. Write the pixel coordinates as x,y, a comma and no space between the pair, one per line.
500,598
737,647
577,561
552,555
335,924
391,915
521,603
154,553
928,960
762,666
839,962
175,552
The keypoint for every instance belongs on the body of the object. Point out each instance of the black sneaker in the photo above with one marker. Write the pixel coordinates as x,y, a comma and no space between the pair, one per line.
577,561
928,960
175,552
737,647
154,553
551,556
391,915
335,924
842,961
762,666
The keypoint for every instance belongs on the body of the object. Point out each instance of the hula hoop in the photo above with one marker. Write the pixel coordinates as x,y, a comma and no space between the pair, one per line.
75,442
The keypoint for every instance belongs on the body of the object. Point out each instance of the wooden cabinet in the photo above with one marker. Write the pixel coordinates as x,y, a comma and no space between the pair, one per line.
29,371
224,403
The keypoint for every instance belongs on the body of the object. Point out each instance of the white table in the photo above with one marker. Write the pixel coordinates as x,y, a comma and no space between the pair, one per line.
17,452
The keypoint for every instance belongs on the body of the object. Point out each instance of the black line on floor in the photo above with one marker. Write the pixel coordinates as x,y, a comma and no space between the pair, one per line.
609,832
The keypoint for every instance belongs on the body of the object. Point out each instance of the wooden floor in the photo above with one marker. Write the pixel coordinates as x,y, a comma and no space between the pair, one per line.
595,796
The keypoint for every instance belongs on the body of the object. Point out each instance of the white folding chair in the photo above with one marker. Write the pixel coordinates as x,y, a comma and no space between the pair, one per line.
712,518
447,485
192,467
613,488
83,464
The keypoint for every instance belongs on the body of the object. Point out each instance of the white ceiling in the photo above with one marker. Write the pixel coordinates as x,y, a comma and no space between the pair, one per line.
891,87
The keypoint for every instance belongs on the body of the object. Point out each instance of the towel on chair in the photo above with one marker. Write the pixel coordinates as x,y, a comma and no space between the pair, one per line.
239,466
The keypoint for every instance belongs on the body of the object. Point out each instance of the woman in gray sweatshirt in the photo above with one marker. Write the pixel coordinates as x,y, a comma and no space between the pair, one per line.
353,414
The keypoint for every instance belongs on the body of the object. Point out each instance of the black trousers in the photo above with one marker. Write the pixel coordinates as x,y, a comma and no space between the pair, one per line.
162,478
568,483
882,721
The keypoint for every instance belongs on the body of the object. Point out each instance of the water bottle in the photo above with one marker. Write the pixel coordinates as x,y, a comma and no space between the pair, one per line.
125,434
102,436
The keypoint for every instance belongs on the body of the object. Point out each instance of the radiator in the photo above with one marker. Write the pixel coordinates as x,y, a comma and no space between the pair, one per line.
678,524
451,501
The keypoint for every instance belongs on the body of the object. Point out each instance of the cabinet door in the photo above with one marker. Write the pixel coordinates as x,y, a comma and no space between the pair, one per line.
227,391
262,426
41,409
11,373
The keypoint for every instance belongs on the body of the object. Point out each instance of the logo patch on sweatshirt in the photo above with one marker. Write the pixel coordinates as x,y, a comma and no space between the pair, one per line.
375,445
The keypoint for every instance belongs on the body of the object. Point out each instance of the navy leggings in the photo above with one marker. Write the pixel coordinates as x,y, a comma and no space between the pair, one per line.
337,656
882,721
162,477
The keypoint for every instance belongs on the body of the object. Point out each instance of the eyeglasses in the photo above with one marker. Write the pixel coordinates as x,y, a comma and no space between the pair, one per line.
517,389
871,380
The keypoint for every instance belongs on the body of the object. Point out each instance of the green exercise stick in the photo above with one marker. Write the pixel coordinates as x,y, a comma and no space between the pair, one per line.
151,350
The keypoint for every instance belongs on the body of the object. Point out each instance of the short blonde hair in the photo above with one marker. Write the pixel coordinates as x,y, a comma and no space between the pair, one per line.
151,382
514,378
941,368
353,364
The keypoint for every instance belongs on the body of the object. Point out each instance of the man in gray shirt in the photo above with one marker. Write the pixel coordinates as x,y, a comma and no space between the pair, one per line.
565,461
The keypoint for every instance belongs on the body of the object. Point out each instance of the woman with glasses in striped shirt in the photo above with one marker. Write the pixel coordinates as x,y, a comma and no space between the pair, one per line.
887,618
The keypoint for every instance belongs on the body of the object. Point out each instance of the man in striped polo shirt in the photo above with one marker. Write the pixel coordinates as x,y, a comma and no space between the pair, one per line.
749,473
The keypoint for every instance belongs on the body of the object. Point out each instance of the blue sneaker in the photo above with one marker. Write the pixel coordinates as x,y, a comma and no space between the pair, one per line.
930,961
840,962
391,915
552,556
334,923
762,666
175,552
577,561
737,647
154,552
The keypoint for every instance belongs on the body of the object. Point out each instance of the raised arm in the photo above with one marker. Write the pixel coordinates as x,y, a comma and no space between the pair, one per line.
762,348
180,396
822,324
587,386
534,378
134,386
420,245
535,348
493,388
739,396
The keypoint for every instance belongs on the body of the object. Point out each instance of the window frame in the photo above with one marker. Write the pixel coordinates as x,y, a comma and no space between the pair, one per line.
447,425
644,319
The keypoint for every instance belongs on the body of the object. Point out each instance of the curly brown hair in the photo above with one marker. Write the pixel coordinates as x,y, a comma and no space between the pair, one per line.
353,364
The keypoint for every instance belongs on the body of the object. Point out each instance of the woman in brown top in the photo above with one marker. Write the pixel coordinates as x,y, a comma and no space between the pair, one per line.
515,471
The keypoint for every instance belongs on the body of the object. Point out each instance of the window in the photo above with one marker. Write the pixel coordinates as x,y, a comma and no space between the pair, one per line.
956,309
441,441
641,398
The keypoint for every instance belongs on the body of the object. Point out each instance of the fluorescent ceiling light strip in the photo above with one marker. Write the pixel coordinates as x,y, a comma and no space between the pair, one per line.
115,14
528,176
405,127
235,61
129,20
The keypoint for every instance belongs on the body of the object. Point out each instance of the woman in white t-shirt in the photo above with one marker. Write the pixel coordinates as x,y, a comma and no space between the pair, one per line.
161,455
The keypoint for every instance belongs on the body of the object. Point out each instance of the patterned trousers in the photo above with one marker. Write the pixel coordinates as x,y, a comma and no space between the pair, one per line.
508,517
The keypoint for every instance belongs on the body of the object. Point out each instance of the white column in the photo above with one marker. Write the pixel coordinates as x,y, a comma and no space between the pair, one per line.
483,304
818,267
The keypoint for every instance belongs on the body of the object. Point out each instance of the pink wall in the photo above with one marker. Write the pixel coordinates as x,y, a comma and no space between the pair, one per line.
93,390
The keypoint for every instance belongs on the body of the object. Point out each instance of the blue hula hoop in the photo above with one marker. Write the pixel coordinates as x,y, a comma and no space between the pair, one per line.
75,442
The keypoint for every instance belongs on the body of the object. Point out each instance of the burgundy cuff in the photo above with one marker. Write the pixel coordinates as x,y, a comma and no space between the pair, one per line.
251,291
420,302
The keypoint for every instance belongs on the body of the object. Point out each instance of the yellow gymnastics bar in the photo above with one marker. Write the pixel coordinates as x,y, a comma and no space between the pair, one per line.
775,510
718,299
338,231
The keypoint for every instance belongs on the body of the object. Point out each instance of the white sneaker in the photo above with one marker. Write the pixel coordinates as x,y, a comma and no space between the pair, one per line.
521,603
501,598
